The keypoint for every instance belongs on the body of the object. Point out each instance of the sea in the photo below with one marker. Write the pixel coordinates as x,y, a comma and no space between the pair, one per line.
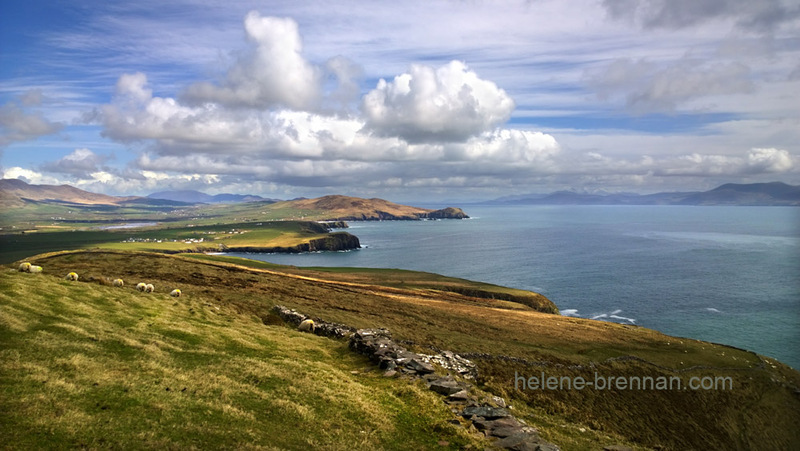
727,275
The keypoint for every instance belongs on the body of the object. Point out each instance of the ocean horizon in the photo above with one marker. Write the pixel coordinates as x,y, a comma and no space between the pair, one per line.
721,274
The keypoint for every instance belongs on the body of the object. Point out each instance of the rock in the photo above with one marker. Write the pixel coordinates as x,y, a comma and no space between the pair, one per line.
489,413
444,213
459,396
524,441
507,422
419,366
390,373
504,432
499,402
454,362
445,386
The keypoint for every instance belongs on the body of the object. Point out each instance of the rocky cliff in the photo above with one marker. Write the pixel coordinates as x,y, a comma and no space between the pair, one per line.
337,241
445,213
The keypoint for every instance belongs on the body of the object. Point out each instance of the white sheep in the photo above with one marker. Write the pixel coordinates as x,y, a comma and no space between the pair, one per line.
306,326
176,293
25,267
72,276
35,269
118,283
149,288
141,286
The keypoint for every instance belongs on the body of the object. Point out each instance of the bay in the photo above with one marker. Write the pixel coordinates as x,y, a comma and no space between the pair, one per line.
723,274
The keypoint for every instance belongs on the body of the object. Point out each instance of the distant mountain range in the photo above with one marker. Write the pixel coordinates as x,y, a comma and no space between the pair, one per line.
754,194
197,197
17,193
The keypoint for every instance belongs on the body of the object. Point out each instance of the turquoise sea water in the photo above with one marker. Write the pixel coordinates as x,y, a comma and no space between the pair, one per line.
723,274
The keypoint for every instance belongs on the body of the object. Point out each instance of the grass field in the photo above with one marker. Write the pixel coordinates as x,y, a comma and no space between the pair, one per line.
162,238
761,411
89,366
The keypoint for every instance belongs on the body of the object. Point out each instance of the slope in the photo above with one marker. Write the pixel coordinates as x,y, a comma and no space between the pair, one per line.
83,365
759,409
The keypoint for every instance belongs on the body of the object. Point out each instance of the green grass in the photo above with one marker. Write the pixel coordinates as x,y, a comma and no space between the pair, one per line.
762,411
406,279
164,238
86,365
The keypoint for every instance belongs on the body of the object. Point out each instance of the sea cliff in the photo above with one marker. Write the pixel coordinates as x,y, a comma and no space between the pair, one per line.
336,241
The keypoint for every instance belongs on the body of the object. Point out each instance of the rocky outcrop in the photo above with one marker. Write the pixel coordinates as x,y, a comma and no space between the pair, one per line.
331,225
337,241
490,416
445,213
321,327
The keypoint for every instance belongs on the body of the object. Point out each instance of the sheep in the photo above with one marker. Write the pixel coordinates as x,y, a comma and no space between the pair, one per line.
25,267
141,286
149,288
35,269
176,293
306,326
118,283
72,276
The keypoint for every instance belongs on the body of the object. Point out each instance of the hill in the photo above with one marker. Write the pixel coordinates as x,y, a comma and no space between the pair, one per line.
83,365
69,205
195,197
14,192
775,193
755,194
162,343
345,208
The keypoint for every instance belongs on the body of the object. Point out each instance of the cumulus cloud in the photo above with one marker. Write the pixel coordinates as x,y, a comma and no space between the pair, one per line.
81,163
648,87
769,160
273,73
761,16
431,126
30,176
449,103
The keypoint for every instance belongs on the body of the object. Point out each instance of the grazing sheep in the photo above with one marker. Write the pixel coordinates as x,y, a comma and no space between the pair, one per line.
25,267
35,269
118,283
306,326
176,293
72,276
149,288
141,286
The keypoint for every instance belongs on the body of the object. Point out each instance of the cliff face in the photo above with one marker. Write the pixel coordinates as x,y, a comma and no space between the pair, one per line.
337,241
445,213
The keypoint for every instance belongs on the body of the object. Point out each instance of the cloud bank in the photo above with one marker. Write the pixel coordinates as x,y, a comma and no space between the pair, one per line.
639,95
264,122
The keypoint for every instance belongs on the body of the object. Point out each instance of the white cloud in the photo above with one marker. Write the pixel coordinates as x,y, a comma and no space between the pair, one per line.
449,103
274,73
29,176
81,162
649,87
23,124
762,15
770,160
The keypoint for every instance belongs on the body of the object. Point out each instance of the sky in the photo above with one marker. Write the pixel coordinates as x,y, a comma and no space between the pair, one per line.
414,100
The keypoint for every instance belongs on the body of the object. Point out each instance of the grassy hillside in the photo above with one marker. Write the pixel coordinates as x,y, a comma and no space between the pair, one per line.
83,365
761,410
173,238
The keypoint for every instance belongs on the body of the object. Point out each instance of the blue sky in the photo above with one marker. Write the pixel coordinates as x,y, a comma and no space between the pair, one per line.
417,100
